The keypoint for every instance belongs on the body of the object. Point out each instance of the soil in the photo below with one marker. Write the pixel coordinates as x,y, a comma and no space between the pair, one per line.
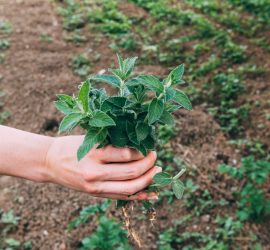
34,71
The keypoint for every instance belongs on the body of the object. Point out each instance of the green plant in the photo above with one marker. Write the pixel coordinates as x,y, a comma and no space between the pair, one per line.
88,211
131,117
108,18
4,44
109,235
45,37
251,198
81,65
5,27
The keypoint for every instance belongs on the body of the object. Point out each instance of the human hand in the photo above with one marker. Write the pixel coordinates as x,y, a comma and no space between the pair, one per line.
109,172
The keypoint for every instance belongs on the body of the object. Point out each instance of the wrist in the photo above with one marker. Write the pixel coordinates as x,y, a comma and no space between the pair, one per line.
46,174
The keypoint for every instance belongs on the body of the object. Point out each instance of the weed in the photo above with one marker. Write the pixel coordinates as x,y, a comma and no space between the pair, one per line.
86,212
251,199
4,44
45,37
5,27
81,65
76,38
109,235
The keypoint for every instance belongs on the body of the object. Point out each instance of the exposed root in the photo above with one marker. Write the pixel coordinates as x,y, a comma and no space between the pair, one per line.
131,232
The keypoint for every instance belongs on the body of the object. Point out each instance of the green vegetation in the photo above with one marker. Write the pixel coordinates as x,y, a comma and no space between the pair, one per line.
45,37
129,118
219,41
109,235
252,202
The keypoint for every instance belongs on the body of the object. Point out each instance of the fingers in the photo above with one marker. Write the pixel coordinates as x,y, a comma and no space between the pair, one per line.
140,196
129,170
117,171
112,154
126,188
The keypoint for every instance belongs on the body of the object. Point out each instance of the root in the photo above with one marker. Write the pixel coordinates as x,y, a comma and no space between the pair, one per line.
131,232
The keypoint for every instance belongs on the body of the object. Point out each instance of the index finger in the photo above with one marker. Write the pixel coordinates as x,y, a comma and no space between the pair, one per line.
111,154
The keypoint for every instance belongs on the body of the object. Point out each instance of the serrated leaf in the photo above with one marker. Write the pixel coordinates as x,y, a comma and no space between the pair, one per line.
176,74
118,73
170,93
84,95
140,148
112,80
132,133
118,134
120,62
162,179
70,121
178,188
166,118
148,143
181,98
155,110
142,130
93,136
152,83
66,98
101,119
63,107
128,65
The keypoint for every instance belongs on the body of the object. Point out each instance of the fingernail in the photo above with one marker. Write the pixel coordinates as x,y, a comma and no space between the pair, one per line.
158,170
155,197
155,153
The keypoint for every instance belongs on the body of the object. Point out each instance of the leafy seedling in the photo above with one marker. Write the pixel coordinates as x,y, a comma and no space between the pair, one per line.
131,118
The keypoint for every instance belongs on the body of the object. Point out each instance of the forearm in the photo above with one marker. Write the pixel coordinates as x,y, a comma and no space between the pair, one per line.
23,154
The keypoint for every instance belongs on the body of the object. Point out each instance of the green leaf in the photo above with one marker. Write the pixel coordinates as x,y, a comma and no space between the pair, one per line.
118,134
120,62
67,99
84,95
63,107
93,136
176,75
112,80
152,83
181,98
170,93
178,188
128,65
148,142
121,203
101,119
12,242
70,121
155,110
166,118
142,130
162,179
132,133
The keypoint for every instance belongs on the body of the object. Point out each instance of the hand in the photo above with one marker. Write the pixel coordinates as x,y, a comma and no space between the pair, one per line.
109,172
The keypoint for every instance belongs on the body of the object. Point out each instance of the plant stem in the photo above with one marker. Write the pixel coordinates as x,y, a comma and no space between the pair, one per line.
122,85
179,174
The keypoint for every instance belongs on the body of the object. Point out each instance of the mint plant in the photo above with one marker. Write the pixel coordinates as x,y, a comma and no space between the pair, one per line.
130,118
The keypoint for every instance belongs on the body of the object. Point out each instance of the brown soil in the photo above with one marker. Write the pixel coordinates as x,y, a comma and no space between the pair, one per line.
34,71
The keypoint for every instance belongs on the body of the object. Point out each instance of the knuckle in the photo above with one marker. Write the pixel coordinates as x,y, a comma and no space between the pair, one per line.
93,188
130,190
132,173
126,154
93,176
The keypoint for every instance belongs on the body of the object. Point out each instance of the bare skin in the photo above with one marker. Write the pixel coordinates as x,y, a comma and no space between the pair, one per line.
116,173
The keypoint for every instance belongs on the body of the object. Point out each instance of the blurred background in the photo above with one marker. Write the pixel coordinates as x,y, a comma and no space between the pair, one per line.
48,47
